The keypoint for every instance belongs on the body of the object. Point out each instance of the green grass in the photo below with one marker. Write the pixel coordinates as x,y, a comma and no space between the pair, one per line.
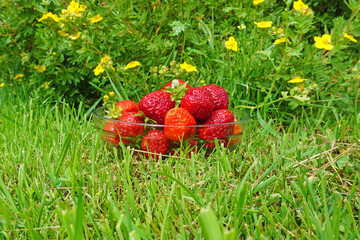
295,174
59,181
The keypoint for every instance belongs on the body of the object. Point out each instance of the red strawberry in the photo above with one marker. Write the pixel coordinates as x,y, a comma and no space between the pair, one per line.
155,105
115,110
219,95
173,84
127,106
155,142
198,102
236,136
218,128
110,133
180,118
128,126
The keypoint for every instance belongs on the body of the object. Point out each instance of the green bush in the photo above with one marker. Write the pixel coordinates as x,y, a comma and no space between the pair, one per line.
54,47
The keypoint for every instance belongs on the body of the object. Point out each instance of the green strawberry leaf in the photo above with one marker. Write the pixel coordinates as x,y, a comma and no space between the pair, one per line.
177,91
113,111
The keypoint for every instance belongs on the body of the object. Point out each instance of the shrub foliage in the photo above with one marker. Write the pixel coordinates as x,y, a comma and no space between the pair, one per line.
79,50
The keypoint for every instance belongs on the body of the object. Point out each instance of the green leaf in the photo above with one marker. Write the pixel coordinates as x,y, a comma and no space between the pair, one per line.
177,28
284,94
341,162
302,98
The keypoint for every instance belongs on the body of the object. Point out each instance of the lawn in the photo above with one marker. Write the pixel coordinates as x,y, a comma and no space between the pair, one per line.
58,180
293,67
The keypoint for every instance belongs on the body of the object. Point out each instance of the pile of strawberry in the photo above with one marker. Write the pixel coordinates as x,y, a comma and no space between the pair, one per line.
178,108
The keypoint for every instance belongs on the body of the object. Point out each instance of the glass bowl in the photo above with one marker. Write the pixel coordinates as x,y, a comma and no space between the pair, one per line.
195,137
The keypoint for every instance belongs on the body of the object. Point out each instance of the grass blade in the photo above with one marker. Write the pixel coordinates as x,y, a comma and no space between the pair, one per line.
209,224
200,203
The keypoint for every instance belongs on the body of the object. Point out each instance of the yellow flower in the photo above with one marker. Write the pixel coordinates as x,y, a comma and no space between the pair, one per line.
74,9
105,59
49,15
2,84
63,33
350,37
297,80
75,36
105,98
105,62
40,68
44,16
300,6
19,75
46,85
242,26
281,40
278,31
111,94
99,69
231,44
323,42
256,2
188,67
97,18
54,17
132,64
82,7
263,24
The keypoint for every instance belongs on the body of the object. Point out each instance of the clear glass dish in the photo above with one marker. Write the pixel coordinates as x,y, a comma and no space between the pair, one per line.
113,132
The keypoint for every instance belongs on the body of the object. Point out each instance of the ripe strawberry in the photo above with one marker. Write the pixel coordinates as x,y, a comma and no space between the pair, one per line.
128,126
236,136
127,106
155,142
180,118
155,105
220,130
198,102
219,95
115,110
110,133
173,84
